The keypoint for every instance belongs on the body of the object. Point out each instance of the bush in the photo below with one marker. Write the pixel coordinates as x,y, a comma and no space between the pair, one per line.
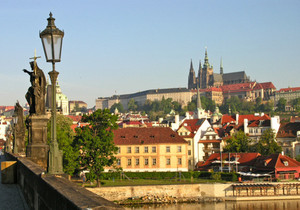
226,176
216,176
204,175
170,175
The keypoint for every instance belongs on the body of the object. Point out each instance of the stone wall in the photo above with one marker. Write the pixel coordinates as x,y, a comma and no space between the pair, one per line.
44,191
178,191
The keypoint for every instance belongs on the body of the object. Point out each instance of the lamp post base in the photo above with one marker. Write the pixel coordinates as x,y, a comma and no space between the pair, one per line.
55,165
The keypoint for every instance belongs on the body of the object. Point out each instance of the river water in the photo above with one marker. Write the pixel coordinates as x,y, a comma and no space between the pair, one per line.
229,205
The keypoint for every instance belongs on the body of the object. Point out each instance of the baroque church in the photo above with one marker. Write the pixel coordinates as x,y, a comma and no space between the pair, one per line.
206,78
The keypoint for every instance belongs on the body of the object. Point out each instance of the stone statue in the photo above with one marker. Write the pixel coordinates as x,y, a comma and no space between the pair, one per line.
20,128
35,95
19,113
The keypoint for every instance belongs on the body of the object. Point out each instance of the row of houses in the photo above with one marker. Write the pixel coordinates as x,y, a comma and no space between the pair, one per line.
182,143
251,165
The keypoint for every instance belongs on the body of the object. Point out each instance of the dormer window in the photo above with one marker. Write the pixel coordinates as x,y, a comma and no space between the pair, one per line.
151,136
286,163
123,137
135,136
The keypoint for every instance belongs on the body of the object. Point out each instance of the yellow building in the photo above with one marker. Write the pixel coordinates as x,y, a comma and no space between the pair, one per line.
150,149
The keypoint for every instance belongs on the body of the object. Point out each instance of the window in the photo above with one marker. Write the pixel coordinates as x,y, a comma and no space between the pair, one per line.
179,161
129,162
119,150
189,152
137,150
128,149
137,161
167,148
154,161
178,148
154,149
168,161
146,161
189,141
118,162
190,162
145,149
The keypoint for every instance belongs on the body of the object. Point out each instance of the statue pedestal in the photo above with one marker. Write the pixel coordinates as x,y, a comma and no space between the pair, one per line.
37,148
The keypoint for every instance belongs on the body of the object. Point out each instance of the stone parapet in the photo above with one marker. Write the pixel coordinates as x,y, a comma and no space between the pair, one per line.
45,191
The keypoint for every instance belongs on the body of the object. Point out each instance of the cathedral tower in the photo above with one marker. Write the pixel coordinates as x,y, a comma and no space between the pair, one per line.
192,78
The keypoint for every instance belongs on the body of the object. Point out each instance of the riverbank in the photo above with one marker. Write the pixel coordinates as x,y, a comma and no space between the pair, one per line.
198,193
181,192
152,199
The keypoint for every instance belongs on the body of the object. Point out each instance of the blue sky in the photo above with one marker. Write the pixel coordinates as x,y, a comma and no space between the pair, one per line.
126,46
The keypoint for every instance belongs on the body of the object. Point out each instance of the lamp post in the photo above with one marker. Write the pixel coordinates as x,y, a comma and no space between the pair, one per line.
15,144
7,144
52,43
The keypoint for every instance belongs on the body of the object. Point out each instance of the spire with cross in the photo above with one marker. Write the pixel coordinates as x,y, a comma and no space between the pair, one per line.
34,61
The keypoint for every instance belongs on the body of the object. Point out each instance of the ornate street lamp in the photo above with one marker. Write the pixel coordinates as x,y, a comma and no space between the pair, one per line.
52,43
15,121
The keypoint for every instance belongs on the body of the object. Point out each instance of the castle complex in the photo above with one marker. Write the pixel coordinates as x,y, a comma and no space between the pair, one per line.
206,77
212,85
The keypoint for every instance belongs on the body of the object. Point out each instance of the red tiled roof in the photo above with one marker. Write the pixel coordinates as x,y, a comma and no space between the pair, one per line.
191,124
238,87
268,85
136,136
74,118
74,126
209,141
227,118
295,119
275,161
131,123
288,130
289,89
258,86
243,159
258,123
250,117
207,90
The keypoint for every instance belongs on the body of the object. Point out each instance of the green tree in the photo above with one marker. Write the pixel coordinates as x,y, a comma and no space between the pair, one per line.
281,104
267,144
239,142
119,106
298,158
96,143
65,136
234,103
132,105
296,104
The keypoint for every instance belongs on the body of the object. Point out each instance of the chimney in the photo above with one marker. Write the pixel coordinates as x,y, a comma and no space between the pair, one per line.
177,119
187,114
237,119
246,130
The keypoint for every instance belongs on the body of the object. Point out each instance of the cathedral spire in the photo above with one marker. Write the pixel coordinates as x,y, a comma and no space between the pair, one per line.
206,63
191,67
221,66
192,77
199,76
